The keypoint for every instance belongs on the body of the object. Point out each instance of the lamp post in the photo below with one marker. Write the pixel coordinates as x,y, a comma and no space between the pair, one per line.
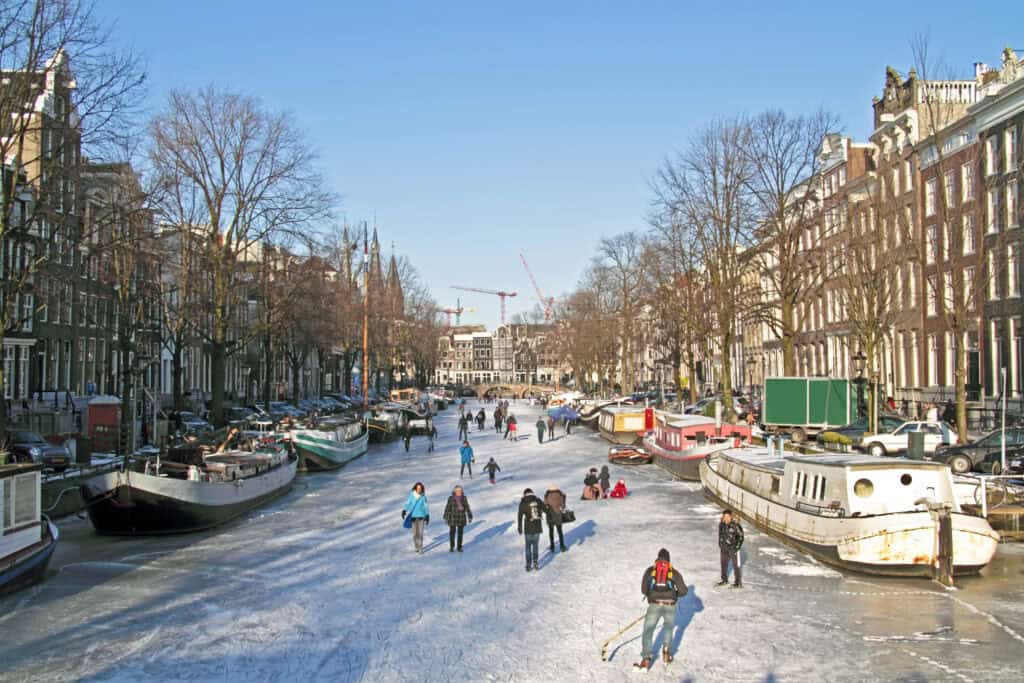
859,360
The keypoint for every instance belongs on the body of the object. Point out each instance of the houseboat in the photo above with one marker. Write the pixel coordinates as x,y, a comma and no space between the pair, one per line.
678,443
154,496
331,443
854,512
622,424
27,537
386,421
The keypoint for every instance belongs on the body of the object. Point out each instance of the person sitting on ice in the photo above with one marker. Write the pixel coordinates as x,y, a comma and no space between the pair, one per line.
620,489
591,490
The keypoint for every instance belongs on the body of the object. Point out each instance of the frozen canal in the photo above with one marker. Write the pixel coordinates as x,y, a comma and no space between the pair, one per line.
323,584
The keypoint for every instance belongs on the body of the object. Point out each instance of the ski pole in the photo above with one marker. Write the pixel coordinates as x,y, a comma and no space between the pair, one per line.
604,646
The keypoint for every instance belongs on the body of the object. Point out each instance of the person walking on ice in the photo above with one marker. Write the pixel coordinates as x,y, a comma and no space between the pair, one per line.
554,500
466,456
416,514
730,540
431,436
541,427
491,467
457,514
531,515
463,427
662,586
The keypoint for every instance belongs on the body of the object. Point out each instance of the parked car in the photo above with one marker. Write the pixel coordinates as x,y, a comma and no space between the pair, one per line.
855,430
936,433
192,423
698,407
992,463
963,457
28,446
239,414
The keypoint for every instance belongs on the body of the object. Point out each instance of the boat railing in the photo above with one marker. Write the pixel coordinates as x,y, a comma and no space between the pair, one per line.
831,510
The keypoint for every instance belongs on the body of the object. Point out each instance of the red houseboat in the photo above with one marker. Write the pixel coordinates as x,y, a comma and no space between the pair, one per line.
678,443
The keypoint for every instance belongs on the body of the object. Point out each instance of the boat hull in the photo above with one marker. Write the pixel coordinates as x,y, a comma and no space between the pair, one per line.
320,454
135,504
684,464
621,438
899,544
29,565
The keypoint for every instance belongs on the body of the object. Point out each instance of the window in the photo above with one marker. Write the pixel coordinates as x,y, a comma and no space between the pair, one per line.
992,280
947,292
991,152
929,198
932,296
1010,147
69,302
967,182
932,251
28,306
992,203
949,188
933,362
1011,204
895,181
968,244
969,288
1012,279
908,177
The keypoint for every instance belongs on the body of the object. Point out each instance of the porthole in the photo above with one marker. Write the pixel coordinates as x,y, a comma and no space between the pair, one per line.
864,488
906,479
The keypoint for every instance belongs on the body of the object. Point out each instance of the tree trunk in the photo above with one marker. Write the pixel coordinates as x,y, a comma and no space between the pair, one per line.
296,364
3,408
218,369
961,390
268,369
126,441
727,410
176,389
788,338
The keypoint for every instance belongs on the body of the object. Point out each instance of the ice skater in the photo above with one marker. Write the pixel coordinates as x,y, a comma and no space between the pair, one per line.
531,511
407,437
497,419
662,585
431,436
457,514
491,467
554,499
481,418
513,429
541,428
418,514
463,427
730,540
605,481
466,456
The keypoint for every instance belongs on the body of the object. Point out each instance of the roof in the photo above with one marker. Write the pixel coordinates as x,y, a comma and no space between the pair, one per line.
624,409
758,456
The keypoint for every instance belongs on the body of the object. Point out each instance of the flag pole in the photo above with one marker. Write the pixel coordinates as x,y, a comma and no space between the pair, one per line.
366,317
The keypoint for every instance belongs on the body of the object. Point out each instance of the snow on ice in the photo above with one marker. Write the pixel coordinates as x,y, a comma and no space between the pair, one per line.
324,585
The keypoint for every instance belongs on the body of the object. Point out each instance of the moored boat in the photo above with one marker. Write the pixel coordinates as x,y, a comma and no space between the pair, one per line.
27,537
678,443
622,424
856,512
331,444
386,421
150,496
628,455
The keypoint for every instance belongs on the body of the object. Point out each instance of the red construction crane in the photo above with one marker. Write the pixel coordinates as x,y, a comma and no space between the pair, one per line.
547,301
499,293
457,312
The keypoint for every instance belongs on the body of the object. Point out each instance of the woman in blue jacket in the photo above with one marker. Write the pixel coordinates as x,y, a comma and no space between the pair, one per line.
466,456
418,512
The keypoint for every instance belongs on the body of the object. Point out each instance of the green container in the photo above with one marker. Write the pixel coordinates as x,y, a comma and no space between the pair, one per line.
812,401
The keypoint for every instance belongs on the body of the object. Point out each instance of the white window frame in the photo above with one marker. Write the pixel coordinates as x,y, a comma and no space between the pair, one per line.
966,182
930,189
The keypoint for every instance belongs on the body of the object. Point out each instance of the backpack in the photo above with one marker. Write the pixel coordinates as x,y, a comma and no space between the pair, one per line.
661,577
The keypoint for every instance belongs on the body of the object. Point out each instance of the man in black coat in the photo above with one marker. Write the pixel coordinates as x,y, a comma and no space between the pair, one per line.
662,585
531,515
730,540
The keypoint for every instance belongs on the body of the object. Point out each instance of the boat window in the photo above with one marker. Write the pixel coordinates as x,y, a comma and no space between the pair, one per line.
821,493
25,499
5,496
863,488
814,487
776,485
796,483
906,479
803,486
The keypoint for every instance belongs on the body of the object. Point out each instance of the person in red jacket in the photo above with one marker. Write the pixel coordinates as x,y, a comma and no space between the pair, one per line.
620,489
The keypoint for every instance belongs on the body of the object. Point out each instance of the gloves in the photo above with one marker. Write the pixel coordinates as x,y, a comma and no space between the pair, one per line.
427,518
403,514
471,519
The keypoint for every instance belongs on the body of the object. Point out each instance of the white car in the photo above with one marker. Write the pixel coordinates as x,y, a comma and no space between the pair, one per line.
936,433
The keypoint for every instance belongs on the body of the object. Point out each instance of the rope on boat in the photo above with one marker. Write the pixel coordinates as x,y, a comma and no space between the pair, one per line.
59,496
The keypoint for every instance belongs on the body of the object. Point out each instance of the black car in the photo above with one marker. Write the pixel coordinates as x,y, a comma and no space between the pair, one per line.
28,446
993,462
855,430
963,458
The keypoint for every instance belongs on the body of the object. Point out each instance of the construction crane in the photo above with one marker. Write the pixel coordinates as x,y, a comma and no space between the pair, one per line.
457,312
499,293
546,301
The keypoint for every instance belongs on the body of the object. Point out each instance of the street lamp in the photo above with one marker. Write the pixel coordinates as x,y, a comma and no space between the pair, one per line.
859,360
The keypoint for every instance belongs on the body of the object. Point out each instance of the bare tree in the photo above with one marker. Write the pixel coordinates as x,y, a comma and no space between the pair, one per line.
49,113
250,175
708,185
618,264
784,161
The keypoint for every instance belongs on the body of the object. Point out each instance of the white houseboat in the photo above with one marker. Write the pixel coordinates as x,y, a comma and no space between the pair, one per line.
27,537
331,444
852,511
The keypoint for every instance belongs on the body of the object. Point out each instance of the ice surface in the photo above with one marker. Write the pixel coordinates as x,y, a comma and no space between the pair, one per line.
323,585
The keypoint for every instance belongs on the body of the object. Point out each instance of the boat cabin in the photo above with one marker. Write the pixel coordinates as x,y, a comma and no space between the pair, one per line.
618,419
840,485
20,522
675,432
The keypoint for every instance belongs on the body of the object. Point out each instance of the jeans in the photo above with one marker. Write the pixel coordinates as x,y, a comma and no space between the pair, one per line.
540,436
725,556
465,466
455,532
463,433
417,532
551,535
532,549
656,613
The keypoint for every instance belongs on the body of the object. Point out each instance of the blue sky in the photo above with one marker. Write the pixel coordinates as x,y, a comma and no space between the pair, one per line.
477,130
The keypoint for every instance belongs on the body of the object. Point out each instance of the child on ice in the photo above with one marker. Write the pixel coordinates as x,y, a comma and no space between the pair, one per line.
491,467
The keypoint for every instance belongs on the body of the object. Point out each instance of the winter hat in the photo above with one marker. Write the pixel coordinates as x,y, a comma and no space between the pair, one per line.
552,488
663,555
527,492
